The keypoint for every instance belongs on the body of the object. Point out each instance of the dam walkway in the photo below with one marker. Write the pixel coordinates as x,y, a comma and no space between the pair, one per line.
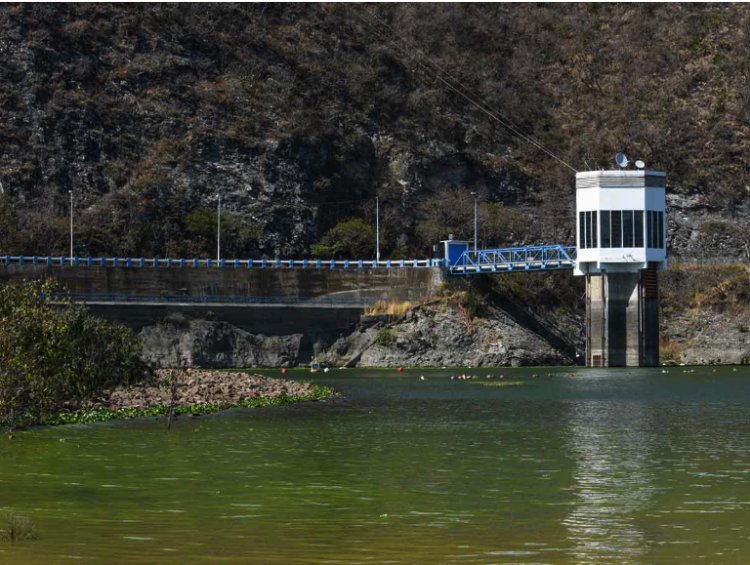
467,262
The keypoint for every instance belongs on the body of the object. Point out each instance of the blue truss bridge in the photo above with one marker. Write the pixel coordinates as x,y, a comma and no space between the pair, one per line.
509,259
468,262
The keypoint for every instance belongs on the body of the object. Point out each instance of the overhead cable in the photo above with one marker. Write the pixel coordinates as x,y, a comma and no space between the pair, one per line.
410,50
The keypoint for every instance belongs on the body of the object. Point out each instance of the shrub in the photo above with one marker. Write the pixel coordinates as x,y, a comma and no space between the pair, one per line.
16,528
352,238
54,353
669,351
384,337
473,301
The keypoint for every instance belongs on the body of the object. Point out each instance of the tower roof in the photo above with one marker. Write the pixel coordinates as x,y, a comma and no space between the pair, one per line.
621,179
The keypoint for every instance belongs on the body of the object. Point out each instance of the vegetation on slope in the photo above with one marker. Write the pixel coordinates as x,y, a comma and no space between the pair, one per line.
716,288
301,114
57,354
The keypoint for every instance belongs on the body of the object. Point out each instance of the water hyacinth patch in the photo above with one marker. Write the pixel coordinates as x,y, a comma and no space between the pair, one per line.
100,414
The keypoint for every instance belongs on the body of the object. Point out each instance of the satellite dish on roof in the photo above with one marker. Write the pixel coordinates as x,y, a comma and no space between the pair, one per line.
621,160
639,164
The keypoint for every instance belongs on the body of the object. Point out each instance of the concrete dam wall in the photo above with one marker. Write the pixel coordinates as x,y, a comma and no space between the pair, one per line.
352,286
234,317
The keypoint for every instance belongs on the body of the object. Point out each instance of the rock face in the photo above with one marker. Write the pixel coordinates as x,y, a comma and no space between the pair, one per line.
301,116
445,336
710,338
205,343
706,314
705,318
433,335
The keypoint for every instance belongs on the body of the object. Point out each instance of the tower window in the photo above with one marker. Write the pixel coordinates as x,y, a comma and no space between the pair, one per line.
638,228
594,231
623,228
588,235
616,223
582,230
655,229
627,228
604,217
660,230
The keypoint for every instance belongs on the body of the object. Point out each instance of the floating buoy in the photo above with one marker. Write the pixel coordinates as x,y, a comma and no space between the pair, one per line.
283,370
400,369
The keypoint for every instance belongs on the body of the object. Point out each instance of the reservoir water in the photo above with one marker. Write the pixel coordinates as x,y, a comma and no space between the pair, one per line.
568,466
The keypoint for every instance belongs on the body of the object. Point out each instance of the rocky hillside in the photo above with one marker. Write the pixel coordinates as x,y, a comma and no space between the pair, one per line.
523,319
517,320
300,115
706,314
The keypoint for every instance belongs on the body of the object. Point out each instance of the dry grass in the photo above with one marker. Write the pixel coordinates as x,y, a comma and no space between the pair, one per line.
389,307
694,287
669,351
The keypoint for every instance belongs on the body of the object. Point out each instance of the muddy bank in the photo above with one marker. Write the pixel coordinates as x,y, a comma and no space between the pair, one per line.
188,391
196,386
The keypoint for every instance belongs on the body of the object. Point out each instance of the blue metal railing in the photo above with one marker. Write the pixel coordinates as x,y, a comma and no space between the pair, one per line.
530,258
171,263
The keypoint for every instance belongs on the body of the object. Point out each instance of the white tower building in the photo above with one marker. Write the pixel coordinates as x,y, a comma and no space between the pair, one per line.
621,230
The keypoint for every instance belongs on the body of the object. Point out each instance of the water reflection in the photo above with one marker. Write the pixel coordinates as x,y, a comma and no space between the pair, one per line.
613,482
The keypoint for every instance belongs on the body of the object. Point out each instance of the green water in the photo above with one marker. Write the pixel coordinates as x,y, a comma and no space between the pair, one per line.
618,466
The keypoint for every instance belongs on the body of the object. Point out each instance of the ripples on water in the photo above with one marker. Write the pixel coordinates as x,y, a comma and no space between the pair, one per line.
594,467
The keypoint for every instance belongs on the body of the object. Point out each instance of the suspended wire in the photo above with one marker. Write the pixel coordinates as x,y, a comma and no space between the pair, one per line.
480,104
458,88
454,198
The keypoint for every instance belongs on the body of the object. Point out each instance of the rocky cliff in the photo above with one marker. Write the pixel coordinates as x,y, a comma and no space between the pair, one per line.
506,321
481,323
444,335
300,115
430,335
706,314
208,343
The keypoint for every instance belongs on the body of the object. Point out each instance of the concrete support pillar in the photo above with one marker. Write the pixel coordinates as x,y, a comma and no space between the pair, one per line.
622,319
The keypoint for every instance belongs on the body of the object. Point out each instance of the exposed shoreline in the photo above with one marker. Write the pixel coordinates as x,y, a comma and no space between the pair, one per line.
190,391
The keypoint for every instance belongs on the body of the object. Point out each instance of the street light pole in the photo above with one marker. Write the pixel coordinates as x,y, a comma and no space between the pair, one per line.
218,229
474,194
377,229
71,224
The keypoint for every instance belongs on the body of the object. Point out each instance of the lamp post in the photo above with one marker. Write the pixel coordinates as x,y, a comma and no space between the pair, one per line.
71,224
377,229
218,229
474,194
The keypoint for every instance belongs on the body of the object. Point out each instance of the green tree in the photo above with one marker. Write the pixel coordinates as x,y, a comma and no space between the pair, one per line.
352,238
54,353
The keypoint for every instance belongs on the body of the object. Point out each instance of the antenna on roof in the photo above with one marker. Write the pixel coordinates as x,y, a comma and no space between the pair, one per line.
639,164
621,160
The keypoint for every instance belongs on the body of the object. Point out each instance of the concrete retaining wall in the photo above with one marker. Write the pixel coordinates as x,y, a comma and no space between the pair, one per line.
320,322
387,284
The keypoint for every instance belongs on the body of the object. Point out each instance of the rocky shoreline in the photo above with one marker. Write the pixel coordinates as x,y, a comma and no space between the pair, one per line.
428,335
190,391
704,319
181,387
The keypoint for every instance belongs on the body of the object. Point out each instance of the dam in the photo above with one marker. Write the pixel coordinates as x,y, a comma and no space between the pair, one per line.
621,235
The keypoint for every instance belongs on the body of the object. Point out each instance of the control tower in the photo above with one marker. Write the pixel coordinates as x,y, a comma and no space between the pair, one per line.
621,246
